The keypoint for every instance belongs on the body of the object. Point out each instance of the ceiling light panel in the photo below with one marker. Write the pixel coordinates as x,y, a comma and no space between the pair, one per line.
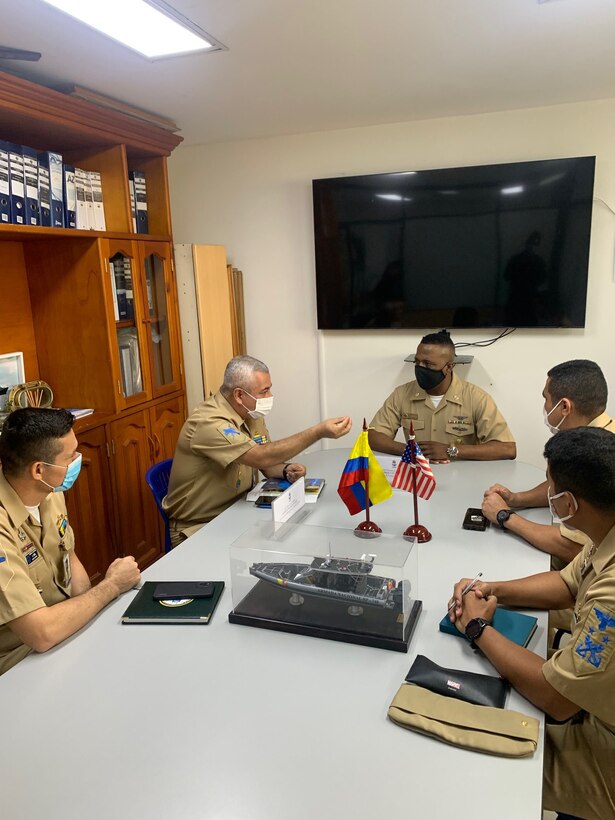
151,27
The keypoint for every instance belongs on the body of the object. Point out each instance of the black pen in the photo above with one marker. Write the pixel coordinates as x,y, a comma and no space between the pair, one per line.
467,588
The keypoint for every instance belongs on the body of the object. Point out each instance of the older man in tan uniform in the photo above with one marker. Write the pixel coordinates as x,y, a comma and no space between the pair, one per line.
45,593
225,442
576,685
452,419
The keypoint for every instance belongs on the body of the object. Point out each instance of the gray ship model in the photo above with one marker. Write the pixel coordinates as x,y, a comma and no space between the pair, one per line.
343,579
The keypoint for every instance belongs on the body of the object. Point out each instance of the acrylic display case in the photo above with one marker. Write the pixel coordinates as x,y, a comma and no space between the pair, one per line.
326,582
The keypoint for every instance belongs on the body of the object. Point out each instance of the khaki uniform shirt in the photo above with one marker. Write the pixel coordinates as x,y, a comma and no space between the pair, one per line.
465,415
580,764
206,477
34,563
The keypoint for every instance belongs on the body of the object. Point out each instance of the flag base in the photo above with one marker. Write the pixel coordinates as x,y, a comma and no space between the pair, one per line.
419,532
367,529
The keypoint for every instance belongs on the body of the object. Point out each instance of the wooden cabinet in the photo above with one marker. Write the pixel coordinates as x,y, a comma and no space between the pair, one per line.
59,307
90,505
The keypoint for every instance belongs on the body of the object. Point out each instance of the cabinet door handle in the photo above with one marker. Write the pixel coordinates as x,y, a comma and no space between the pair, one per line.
158,446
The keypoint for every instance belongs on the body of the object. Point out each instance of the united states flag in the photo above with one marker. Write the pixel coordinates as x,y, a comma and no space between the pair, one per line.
406,471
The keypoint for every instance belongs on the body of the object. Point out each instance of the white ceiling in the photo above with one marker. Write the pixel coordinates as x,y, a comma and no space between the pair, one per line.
309,65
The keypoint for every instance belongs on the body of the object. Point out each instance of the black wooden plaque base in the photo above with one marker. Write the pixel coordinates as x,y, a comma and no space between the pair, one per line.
269,607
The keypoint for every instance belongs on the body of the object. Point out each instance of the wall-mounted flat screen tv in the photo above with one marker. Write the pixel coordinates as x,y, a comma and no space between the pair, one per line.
484,246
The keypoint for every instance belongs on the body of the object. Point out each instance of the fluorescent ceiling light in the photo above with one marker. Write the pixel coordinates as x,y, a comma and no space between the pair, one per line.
515,189
392,197
150,27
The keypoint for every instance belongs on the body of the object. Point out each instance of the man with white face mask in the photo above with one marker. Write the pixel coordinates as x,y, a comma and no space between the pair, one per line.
225,442
575,395
45,592
575,686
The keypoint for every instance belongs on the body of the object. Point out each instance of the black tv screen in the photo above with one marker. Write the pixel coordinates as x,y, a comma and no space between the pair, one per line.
483,246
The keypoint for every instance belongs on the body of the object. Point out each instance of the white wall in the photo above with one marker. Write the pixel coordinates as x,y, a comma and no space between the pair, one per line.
254,197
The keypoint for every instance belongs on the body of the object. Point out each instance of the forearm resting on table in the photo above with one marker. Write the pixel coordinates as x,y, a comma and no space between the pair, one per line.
536,497
546,590
544,537
489,451
44,628
523,669
385,444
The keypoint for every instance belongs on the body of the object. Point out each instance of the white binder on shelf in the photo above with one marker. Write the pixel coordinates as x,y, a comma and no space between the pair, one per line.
81,212
97,201
5,193
16,185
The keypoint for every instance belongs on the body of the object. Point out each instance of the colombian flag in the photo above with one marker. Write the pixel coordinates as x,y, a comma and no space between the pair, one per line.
361,467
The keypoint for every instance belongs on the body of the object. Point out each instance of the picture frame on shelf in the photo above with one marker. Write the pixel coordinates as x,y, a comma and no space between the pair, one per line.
12,372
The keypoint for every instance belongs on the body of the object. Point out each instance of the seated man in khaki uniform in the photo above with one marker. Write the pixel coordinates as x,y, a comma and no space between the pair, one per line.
452,419
225,442
576,685
45,593
575,395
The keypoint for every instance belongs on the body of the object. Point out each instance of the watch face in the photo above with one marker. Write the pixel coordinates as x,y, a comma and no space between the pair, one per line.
503,516
473,629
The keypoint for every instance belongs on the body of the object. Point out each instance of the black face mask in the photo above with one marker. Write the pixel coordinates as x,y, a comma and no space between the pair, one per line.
428,379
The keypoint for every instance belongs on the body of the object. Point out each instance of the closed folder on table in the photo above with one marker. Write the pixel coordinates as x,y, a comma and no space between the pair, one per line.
145,610
516,626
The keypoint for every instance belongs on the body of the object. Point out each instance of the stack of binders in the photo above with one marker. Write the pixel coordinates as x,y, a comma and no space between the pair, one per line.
38,189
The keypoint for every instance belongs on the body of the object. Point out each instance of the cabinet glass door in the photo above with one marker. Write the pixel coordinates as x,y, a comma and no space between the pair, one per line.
162,331
123,270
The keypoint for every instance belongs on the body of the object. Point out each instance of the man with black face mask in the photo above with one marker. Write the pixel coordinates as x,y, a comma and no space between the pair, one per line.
452,419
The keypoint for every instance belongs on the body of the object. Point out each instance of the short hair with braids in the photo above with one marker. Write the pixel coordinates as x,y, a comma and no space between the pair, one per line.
441,338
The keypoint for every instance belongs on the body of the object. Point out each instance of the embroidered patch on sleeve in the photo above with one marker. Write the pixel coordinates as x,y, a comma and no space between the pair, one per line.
230,433
595,645
6,573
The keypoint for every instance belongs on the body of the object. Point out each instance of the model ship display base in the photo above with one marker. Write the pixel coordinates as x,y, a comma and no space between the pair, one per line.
270,607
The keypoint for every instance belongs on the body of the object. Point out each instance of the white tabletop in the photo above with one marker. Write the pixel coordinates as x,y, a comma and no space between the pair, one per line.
228,722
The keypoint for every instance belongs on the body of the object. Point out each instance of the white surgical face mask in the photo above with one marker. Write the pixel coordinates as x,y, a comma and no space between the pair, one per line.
557,518
263,406
546,415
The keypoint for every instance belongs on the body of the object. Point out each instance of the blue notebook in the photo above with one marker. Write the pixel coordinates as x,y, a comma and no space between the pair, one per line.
515,626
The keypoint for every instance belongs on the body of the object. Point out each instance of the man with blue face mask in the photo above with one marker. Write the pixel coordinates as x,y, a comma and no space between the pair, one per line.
225,442
575,395
45,592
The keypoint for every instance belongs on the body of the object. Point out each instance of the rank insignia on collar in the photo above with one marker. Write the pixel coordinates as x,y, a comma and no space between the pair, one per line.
62,524
21,534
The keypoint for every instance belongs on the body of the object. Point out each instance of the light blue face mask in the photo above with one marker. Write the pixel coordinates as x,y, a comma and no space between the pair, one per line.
72,471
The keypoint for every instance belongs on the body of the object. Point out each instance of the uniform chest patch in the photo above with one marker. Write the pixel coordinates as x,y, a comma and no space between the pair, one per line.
31,556
26,547
62,523
262,439
596,643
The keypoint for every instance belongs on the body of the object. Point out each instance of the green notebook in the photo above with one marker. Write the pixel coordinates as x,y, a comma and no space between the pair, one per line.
516,626
145,610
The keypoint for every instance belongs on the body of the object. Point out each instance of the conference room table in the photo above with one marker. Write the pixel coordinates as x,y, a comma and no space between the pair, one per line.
231,722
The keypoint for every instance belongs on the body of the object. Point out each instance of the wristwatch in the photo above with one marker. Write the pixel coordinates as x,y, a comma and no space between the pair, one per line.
503,516
285,472
474,630
452,451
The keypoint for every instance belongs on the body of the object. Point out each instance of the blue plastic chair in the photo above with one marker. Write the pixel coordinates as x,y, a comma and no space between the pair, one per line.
157,478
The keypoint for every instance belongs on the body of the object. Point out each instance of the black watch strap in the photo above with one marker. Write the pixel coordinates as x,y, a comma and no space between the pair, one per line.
285,472
475,629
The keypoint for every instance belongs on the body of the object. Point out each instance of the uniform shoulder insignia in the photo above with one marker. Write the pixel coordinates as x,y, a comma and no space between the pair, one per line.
597,641
229,432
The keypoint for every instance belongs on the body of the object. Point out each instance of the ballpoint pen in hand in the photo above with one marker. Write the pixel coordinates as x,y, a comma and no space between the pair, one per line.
466,589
